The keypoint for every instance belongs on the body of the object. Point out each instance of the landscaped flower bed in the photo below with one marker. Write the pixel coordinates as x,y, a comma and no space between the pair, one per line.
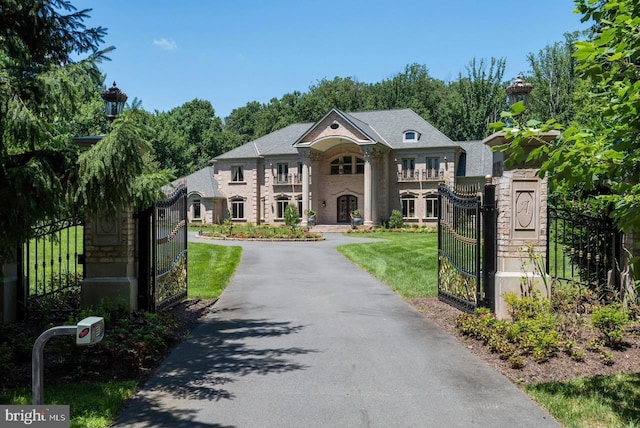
250,232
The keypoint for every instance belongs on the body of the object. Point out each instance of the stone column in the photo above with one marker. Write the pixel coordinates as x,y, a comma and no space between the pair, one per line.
368,185
521,201
305,190
110,261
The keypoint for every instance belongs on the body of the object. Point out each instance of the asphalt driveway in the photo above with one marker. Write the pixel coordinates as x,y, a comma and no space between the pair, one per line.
303,338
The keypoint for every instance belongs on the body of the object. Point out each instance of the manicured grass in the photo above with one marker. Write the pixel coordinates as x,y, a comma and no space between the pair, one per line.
602,401
210,269
407,262
92,405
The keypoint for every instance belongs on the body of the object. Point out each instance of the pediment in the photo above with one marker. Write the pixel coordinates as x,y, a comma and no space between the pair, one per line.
335,125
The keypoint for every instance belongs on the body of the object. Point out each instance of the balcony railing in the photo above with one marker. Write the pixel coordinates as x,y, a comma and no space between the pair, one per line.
287,179
420,175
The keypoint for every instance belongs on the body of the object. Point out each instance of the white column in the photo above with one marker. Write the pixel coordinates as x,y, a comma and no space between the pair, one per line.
368,186
305,190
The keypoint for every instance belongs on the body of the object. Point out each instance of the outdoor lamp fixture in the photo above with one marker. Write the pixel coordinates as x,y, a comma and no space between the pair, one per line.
114,100
519,91
324,204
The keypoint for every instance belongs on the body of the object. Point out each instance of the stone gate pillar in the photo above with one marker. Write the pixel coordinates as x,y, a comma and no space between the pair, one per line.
110,261
521,202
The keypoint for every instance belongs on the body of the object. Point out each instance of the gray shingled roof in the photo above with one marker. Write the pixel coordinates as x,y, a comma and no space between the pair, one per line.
479,159
389,125
277,143
201,181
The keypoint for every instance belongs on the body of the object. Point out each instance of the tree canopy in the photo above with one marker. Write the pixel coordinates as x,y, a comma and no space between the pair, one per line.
46,98
598,154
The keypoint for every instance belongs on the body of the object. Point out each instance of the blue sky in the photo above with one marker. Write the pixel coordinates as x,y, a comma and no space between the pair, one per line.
231,52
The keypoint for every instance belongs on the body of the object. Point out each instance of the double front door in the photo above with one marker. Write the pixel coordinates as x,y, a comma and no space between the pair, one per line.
346,204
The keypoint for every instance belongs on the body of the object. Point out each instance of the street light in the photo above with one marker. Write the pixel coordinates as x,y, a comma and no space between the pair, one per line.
114,100
519,91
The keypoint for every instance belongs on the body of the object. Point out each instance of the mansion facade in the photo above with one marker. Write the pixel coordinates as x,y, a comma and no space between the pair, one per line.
374,162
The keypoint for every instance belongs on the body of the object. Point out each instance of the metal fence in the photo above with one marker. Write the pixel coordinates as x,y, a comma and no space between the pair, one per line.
583,248
50,269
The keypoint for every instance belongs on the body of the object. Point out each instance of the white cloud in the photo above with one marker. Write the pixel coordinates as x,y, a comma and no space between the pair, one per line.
165,44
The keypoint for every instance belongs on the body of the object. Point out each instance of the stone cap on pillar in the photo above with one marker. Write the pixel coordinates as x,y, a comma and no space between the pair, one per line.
498,139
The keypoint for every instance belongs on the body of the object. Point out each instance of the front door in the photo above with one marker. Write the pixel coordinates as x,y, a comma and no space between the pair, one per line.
346,204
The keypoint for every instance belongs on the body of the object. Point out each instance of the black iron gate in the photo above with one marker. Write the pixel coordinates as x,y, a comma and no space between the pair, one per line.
467,246
584,248
50,270
162,254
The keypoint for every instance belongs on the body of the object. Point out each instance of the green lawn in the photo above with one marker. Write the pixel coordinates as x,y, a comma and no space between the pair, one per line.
210,269
407,262
92,405
602,401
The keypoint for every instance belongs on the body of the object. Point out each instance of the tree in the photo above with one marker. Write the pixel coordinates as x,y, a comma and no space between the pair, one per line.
186,138
480,98
42,88
413,89
554,81
39,86
600,156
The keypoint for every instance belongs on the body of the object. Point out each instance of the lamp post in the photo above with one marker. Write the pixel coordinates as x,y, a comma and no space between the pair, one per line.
519,91
114,100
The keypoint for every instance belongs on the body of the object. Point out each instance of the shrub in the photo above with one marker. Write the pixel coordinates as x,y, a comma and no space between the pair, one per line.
395,221
610,321
526,307
291,216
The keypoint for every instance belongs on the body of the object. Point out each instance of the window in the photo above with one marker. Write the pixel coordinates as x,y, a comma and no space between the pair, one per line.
432,207
347,165
237,173
408,168
283,173
299,202
410,136
433,167
281,204
408,206
237,209
196,208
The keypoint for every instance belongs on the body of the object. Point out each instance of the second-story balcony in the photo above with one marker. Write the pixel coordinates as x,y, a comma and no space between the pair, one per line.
284,179
407,175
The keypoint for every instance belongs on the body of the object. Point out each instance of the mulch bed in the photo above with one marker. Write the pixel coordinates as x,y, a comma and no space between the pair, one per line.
559,368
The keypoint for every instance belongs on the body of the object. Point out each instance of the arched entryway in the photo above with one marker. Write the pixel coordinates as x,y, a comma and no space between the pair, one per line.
346,204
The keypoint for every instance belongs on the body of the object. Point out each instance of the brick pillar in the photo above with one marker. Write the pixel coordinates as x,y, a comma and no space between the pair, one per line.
110,261
521,201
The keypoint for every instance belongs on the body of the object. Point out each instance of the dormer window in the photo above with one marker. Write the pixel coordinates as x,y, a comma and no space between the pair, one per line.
410,136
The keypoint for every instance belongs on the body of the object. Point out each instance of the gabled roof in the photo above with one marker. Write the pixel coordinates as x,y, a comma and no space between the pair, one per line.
202,182
361,126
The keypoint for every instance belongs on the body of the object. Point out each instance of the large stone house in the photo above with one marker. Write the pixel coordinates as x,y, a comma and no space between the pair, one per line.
375,162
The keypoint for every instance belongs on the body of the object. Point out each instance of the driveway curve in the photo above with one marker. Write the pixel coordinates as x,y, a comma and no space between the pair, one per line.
303,338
